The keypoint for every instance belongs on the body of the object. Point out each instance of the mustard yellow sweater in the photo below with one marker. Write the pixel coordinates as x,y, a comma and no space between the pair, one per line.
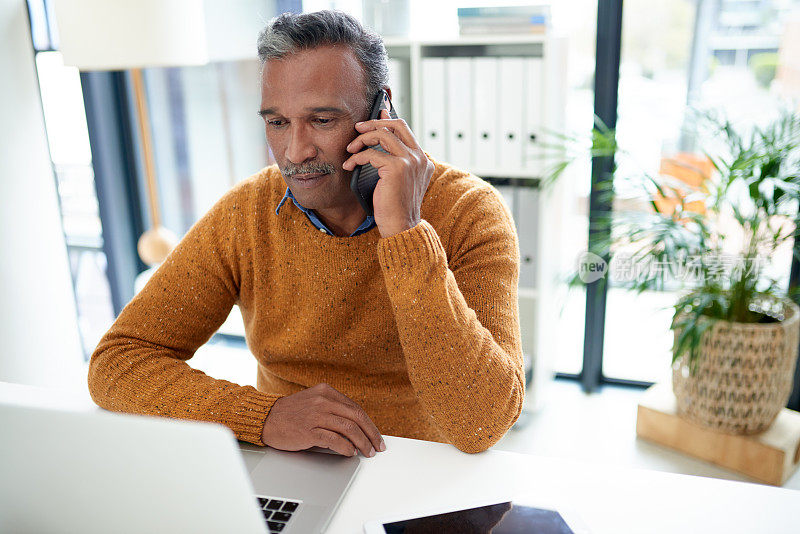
421,328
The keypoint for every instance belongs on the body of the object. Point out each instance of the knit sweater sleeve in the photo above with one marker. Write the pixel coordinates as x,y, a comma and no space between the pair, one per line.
139,365
458,319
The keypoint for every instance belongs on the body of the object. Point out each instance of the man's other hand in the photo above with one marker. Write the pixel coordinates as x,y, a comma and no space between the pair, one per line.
321,416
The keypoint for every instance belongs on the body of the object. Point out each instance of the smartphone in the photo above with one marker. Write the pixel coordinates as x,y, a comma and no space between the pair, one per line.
365,177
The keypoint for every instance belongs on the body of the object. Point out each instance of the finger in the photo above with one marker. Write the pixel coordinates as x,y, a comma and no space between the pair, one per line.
376,158
383,136
397,126
360,417
350,409
350,430
335,442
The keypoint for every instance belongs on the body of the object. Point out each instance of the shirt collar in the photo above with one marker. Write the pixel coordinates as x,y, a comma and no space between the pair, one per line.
368,223
286,196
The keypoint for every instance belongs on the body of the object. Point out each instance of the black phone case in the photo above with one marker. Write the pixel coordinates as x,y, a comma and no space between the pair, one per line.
365,177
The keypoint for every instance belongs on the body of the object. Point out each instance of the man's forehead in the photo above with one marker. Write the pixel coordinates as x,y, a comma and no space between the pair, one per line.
324,77
314,99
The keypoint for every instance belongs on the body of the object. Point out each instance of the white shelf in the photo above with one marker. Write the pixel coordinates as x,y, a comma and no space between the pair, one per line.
505,173
470,40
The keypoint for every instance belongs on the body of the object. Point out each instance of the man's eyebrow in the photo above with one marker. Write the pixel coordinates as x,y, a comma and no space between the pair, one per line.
320,109
329,109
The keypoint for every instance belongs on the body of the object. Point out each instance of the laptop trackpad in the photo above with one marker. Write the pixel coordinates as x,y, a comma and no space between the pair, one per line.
305,475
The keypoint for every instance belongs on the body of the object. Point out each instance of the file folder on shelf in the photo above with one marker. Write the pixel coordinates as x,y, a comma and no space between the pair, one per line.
485,128
398,81
527,222
511,110
534,116
458,123
433,107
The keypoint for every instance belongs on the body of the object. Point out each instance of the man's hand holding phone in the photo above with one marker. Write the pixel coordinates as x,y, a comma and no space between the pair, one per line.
404,171
321,416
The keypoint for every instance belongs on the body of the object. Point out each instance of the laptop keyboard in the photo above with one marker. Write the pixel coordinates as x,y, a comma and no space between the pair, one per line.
277,512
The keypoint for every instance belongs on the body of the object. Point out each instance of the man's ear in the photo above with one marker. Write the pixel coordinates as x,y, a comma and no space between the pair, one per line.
388,91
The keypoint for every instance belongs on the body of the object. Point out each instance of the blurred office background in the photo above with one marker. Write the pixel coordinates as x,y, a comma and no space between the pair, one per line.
74,197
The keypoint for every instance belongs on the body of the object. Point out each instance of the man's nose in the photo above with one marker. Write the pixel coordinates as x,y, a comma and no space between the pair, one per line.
301,147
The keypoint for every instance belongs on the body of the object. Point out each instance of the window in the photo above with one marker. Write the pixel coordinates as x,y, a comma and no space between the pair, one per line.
207,135
68,139
655,88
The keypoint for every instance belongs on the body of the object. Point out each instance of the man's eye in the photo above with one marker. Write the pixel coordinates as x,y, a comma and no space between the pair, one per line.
275,122
320,120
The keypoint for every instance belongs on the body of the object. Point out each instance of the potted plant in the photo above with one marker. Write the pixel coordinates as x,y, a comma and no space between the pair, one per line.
713,235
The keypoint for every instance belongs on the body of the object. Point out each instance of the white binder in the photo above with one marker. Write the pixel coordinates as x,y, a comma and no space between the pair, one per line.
527,219
398,80
459,111
433,108
484,132
511,109
534,116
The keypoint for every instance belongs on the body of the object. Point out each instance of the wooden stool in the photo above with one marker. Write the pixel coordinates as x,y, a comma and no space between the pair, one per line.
770,457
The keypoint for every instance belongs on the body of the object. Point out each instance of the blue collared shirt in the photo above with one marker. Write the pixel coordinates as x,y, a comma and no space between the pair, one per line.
368,223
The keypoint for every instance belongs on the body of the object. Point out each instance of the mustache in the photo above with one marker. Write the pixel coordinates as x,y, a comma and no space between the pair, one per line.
314,167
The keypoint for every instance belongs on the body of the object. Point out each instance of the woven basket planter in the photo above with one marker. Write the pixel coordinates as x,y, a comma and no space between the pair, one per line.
744,374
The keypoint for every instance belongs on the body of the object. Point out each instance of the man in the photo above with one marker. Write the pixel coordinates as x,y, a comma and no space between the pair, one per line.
404,323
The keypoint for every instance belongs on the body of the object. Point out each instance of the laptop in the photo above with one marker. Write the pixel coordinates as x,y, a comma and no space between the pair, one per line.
100,472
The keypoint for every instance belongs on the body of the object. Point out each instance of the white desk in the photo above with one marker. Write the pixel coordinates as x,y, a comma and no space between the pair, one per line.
417,475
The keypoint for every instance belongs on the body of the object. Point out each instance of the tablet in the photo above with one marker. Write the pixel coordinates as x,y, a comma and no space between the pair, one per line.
498,516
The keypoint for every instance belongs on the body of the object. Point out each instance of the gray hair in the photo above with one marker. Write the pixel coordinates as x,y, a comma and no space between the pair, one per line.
292,32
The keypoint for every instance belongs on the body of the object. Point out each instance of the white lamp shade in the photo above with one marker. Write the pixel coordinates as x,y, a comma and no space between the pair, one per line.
126,34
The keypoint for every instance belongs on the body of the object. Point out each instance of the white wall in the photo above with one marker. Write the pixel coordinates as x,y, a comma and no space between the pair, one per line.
39,340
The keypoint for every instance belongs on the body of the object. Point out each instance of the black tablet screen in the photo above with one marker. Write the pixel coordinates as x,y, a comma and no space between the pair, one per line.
501,518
